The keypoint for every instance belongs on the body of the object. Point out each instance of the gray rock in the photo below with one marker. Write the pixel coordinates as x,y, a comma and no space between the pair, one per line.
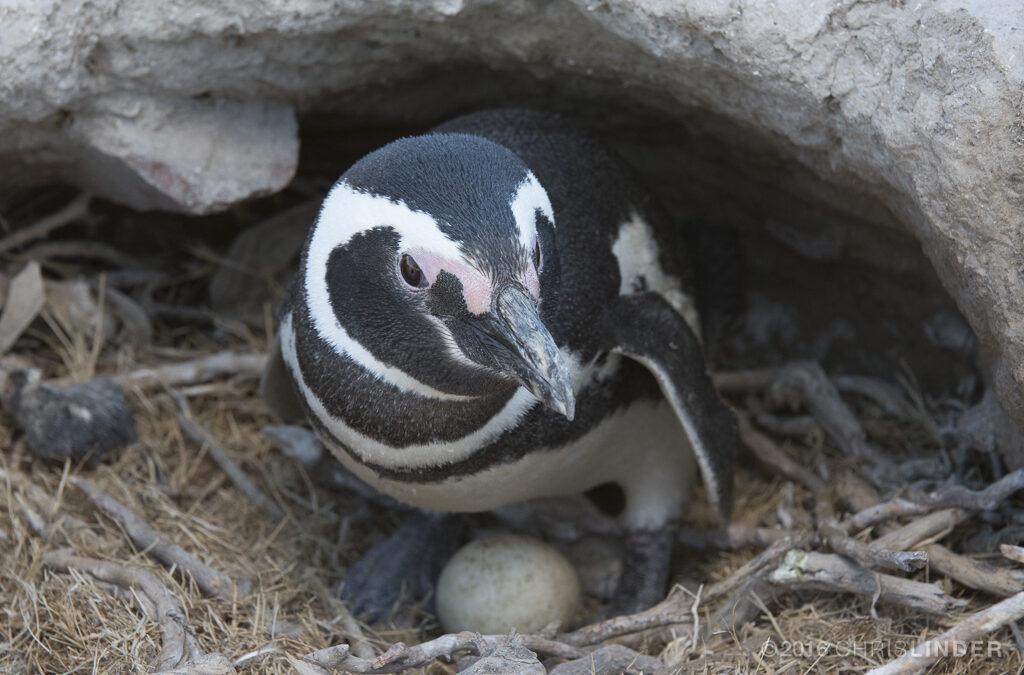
899,117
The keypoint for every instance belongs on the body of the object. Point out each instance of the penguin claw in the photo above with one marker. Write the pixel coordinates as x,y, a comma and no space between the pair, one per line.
645,571
405,566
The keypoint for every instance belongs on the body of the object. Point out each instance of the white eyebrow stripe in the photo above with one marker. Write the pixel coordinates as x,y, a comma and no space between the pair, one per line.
345,213
369,449
529,197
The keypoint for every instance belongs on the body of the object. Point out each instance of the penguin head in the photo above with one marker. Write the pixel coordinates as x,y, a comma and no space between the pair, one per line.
433,258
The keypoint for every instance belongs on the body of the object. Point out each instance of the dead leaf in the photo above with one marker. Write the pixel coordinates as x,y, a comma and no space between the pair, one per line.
25,298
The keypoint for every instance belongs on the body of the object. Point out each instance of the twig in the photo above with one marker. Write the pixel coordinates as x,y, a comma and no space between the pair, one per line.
75,209
203,369
80,249
920,530
135,319
401,656
610,659
742,381
1011,552
767,452
998,581
972,628
879,513
177,644
41,511
767,557
870,555
797,426
807,570
672,610
807,383
988,499
220,455
886,396
210,581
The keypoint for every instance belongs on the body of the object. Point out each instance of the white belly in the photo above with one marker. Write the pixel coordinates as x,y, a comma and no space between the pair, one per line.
642,449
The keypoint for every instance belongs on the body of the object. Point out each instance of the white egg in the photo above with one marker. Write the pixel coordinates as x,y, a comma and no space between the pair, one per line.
506,581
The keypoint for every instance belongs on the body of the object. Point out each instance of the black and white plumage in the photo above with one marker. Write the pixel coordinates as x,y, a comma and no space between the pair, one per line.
497,311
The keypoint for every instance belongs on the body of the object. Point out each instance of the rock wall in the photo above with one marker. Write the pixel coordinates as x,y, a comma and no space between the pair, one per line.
900,113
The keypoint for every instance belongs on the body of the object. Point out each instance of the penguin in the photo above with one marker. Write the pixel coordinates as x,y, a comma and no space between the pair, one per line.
497,310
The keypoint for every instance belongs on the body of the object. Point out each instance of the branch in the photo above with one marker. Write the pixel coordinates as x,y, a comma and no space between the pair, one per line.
870,555
203,369
201,436
767,452
210,581
807,570
72,211
879,513
807,383
921,530
972,628
988,499
998,581
177,644
401,656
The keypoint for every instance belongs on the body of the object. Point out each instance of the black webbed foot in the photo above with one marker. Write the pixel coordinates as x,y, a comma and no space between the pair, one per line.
645,571
405,564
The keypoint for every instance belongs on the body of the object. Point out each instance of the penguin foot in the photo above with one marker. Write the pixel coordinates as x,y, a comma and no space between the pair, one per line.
645,571
406,564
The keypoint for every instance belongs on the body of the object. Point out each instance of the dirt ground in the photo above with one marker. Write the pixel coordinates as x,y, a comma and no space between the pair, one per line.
60,620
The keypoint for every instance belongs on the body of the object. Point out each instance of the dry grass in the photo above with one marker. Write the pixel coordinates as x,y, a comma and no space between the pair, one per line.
65,622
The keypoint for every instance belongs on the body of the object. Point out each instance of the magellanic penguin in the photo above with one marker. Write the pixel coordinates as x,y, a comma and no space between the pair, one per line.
496,311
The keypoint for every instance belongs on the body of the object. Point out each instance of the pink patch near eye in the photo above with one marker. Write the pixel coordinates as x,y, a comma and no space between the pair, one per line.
476,288
532,281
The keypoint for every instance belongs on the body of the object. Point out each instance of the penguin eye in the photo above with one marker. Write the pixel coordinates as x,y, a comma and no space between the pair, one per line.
536,253
411,272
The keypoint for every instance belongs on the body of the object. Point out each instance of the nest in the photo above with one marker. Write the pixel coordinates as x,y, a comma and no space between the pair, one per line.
869,532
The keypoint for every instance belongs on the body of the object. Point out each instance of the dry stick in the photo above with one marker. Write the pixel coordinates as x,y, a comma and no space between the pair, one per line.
49,520
807,570
999,581
1011,552
767,557
798,426
177,645
81,249
675,609
920,530
134,317
972,628
75,209
988,499
807,383
610,659
219,454
768,453
743,381
145,537
870,555
888,397
879,513
197,370
401,656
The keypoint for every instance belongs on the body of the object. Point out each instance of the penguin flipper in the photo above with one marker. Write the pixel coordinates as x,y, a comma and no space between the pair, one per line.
645,328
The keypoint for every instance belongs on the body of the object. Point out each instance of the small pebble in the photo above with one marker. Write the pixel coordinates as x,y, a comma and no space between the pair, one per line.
505,582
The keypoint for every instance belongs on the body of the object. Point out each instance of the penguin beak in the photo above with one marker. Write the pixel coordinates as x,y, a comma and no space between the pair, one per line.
521,346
